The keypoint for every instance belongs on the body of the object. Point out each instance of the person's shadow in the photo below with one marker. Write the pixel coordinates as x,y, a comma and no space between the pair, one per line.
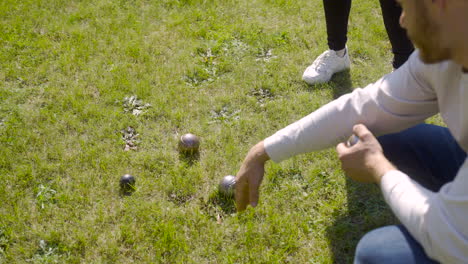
366,208
341,83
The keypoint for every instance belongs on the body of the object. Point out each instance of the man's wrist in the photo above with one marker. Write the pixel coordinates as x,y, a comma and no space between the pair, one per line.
258,153
383,165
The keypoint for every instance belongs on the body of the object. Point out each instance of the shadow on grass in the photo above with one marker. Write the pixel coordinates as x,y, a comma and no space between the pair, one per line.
219,205
189,158
366,211
340,84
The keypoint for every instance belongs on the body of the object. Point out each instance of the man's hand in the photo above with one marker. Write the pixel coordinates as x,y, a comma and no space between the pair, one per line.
250,176
364,161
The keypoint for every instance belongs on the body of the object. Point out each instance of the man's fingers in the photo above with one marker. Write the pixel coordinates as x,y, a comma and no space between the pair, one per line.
253,193
342,149
242,196
363,132
360,130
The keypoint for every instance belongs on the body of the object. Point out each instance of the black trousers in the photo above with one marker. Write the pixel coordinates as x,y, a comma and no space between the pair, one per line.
337,14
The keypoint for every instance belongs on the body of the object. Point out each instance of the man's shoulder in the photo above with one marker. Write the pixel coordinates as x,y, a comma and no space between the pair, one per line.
432,72
432,69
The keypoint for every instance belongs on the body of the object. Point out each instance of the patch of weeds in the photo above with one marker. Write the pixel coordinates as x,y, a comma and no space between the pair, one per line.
210,67
235,49
265,55
46,253
135,106
130,137
45,195
206,71
262,95
224,115
207,57
200,75
180,198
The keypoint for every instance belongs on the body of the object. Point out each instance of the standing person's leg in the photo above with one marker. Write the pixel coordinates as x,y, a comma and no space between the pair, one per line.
429,155
401,44
335,59
336,17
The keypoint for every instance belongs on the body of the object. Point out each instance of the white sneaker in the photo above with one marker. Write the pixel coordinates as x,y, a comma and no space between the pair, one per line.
323,68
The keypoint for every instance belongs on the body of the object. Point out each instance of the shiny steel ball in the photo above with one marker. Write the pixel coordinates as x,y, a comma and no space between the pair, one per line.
352,140
127,183
227,185
189,144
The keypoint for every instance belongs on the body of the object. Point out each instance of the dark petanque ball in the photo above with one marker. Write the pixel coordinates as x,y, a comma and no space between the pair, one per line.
127,183
189,144
227,185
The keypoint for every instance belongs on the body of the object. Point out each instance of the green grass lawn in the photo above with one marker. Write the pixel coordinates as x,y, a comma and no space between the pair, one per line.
227,71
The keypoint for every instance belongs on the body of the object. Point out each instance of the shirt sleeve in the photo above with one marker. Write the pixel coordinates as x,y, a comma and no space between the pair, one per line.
397,101
436,219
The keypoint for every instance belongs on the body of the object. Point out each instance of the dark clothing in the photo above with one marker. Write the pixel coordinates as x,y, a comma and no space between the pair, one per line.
337,14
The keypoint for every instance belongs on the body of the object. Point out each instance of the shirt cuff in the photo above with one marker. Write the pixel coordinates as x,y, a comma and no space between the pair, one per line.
390,179
274,149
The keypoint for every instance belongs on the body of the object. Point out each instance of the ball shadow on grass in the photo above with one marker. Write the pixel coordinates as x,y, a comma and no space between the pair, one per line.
189,158
123,193
126,190
219,205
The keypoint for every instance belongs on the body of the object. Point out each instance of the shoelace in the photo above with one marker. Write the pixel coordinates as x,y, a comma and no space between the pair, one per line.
322,60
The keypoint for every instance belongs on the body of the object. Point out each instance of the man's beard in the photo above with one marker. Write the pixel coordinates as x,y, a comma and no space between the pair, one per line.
431,52
428,40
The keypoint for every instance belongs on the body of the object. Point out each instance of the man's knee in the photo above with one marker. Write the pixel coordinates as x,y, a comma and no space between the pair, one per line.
390,245
369,248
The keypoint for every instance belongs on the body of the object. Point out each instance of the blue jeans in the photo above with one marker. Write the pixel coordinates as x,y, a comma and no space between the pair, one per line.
429,155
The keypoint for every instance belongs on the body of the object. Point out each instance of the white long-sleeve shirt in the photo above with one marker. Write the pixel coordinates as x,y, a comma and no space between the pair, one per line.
416,91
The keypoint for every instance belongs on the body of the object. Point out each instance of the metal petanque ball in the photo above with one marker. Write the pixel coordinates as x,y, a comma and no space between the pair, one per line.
352,140
127,184
189,144
227,185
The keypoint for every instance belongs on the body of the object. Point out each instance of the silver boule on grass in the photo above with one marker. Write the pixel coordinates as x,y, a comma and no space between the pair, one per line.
227,186
189,144
127,184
